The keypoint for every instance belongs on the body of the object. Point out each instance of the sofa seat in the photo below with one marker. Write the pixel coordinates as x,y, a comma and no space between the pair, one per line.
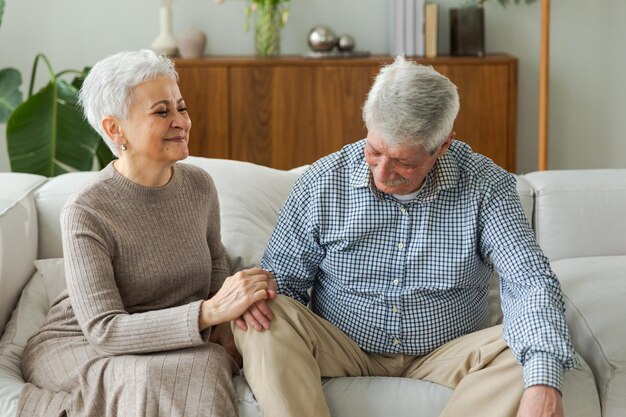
589,283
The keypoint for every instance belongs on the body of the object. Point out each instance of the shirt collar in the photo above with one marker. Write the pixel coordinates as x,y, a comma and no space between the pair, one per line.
443,176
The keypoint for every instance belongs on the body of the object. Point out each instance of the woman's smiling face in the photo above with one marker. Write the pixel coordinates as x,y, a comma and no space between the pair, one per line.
157,127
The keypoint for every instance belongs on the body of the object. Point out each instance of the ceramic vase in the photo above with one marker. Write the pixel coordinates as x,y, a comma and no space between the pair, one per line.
165,43
267,30
191,43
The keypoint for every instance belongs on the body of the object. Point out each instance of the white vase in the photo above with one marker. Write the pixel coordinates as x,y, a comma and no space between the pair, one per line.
165,43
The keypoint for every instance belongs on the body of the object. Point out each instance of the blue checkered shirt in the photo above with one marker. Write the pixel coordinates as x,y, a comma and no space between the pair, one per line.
406,278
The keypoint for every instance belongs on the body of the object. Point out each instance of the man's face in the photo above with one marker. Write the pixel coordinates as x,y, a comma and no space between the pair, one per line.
399,170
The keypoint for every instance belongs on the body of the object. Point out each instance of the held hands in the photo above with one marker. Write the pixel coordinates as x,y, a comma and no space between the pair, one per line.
238,293
541,401
259,315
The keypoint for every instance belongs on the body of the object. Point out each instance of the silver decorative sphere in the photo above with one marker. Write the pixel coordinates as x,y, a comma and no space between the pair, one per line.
345,43
322,39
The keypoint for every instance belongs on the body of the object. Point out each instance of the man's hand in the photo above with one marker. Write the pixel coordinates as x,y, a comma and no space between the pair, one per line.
541,401
259,314
223,335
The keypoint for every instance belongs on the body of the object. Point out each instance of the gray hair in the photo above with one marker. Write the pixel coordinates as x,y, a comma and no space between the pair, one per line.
107,88
411,104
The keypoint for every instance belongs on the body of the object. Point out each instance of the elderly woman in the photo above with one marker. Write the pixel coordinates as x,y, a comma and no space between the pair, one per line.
144,326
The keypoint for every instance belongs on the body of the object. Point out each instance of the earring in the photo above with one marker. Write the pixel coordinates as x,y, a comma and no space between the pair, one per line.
123,147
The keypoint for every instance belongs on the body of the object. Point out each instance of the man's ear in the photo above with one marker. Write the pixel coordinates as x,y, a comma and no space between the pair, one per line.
446,144
111,126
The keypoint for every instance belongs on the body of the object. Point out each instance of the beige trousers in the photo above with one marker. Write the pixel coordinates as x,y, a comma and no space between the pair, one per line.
284,366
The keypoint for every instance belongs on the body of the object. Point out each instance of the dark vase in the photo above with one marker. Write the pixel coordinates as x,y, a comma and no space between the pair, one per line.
467,31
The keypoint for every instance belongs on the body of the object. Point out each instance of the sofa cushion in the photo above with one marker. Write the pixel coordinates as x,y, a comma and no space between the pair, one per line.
51,198
18,237
580,213
26,319
595,295
250,197
53,274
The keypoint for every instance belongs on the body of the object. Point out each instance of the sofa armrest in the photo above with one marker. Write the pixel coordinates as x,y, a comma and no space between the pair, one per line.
595,290
18,237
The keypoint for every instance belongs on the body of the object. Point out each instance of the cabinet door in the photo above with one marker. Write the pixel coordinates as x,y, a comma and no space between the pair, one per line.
484,121
205,90
272,110
287,116
340,92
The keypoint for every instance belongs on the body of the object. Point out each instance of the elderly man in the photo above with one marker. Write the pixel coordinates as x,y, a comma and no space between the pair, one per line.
397,236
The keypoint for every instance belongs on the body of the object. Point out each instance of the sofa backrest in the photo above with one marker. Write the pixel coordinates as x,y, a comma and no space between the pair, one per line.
580,213
250,197
50,199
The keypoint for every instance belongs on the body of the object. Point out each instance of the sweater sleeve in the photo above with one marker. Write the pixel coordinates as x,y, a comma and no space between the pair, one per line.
88,251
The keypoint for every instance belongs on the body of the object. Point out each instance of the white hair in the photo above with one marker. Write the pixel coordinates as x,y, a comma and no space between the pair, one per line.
411,104
107,88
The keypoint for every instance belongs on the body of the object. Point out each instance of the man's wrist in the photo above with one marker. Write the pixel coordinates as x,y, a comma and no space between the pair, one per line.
543,369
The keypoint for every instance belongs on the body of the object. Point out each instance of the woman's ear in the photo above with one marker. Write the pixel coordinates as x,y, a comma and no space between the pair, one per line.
113,129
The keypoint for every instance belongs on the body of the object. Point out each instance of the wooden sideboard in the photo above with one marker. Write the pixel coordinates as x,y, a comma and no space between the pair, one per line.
288,111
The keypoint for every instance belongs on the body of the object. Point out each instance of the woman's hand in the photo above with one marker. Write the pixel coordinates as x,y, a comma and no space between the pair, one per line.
238,293
223,335
259,315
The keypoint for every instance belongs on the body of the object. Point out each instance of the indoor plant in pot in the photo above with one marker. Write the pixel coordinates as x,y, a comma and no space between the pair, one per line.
269,17
467,27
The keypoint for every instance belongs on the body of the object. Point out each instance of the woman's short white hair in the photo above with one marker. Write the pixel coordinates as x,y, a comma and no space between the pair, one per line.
411,104
107,88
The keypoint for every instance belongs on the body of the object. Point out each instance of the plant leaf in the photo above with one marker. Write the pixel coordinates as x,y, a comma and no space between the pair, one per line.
77,82
47,134
10,95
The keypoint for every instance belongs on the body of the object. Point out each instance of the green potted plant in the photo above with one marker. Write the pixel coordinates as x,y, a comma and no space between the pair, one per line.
467,27
270,17
47,133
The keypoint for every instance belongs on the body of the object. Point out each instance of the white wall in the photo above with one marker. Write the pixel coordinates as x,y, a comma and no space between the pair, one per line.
588,49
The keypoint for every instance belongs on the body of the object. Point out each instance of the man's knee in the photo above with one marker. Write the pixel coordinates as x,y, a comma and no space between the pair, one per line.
283,310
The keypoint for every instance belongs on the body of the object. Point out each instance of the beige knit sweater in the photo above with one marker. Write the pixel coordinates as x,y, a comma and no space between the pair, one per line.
138,263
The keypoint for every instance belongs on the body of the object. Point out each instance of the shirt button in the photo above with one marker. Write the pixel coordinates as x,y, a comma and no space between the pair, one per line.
396,281
396,342
402,209
394,309
401,246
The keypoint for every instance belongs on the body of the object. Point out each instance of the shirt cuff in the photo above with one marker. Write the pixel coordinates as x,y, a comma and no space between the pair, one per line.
543,369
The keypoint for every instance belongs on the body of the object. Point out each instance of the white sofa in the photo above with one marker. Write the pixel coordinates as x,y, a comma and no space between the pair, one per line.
578,217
